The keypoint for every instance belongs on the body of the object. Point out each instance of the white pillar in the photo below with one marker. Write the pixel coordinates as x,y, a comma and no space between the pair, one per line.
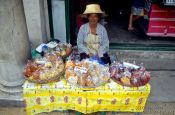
14,46
36,14
59,19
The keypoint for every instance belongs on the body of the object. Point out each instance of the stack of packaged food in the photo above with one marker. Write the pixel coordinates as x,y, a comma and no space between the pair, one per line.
129,74
46,69
90,72
63,49
86,73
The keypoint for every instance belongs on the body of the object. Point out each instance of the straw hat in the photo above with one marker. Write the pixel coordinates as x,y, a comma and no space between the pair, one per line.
93,8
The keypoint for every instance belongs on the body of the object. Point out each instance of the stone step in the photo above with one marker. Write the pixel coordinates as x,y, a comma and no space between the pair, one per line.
11,96
11,103
153,60
137,54
163,74
17,82
153,64
7,89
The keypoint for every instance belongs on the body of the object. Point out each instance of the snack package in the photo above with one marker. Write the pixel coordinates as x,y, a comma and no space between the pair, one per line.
70,64
82,80
129,74
73,80
63,49
89,81
89,73
44,69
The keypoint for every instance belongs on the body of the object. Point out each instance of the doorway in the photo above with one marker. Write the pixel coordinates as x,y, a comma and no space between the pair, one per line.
116,24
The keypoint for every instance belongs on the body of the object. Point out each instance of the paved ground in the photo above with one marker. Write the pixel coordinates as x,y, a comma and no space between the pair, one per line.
152,108
162,86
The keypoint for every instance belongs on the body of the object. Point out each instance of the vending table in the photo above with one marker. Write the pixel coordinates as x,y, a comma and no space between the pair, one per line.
62,96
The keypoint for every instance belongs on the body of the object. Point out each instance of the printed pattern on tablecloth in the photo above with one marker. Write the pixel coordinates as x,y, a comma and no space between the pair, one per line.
61,96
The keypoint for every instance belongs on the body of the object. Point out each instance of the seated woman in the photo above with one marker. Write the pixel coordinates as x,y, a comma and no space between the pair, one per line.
92,37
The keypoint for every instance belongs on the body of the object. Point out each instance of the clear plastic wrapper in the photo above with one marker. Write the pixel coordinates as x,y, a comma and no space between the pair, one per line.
129,74
63,49
89,73
43,70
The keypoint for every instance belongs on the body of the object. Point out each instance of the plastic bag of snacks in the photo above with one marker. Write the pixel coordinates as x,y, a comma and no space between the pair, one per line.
47,69
129,74
86,73
63,49
74,54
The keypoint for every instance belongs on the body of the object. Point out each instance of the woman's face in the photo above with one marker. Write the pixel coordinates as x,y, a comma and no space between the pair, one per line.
93,18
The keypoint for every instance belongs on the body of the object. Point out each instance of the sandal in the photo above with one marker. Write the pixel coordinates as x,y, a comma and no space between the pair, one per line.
130,29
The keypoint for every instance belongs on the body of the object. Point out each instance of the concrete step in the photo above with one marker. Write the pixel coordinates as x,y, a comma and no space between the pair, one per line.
11,96
153,60
11,103
7,89
17,82
155,64
137,54
163,74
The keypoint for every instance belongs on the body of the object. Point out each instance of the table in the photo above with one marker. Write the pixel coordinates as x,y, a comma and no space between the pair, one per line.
62,96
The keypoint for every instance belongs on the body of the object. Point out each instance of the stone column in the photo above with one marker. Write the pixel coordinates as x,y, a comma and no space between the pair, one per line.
36,12
14,47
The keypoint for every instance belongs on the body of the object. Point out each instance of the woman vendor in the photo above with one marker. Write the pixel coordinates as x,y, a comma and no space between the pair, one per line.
92,37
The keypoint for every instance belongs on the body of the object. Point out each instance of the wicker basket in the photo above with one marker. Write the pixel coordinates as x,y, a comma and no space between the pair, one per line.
89,87
127,85
50,75
68,50
53,79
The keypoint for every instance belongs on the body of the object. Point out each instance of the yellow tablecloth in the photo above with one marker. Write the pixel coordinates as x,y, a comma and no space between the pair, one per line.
61,96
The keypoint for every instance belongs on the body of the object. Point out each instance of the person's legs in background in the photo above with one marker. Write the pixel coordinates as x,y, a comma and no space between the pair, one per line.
135,14
130,27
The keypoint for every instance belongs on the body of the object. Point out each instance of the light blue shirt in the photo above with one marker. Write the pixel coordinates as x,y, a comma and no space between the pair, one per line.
103,39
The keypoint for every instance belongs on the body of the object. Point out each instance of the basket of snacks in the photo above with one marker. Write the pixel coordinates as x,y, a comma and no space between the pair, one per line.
86,73
128,74
44,70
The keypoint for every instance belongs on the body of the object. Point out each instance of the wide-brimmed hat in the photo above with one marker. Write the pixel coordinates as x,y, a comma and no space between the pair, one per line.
93,9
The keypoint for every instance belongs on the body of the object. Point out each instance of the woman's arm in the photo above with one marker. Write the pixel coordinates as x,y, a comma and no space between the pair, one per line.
80,41
104,46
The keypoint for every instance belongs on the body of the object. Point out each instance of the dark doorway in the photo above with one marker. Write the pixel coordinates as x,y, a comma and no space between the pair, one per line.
116,23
